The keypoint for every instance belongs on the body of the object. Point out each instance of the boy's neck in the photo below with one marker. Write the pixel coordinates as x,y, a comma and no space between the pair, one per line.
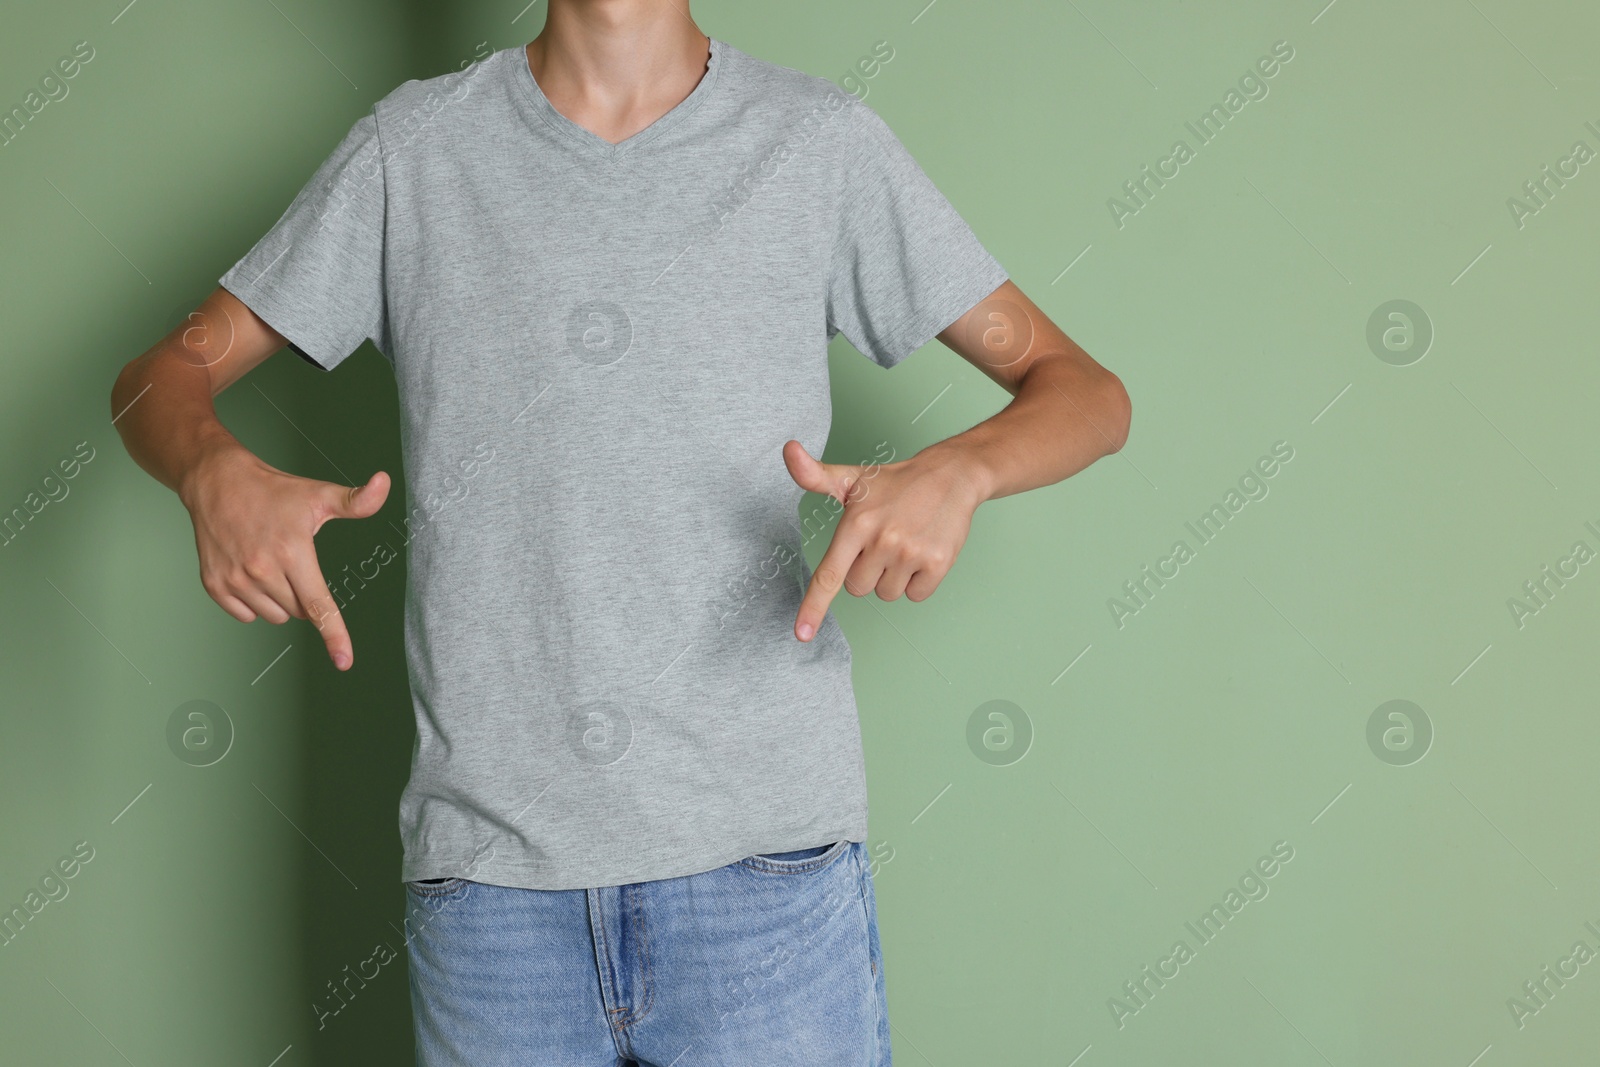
614,66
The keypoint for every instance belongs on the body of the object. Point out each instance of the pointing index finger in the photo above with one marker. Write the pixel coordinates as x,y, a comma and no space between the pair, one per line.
826,581
322,610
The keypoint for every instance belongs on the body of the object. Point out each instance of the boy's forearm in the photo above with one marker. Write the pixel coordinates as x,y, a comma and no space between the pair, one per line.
162,401
164,412
1064,417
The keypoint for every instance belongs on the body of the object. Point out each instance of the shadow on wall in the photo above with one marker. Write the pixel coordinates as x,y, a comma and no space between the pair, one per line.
357,729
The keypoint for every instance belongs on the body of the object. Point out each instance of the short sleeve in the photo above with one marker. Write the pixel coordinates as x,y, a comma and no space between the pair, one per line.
317,276
905,264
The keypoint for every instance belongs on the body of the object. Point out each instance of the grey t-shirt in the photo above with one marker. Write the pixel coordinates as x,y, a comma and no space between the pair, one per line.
600,351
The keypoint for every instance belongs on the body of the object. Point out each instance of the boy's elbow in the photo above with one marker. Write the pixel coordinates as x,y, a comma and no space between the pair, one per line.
1119,411
135,377
122,388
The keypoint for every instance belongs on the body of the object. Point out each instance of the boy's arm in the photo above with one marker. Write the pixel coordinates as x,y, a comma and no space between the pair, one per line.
905,522
1068,410
253,524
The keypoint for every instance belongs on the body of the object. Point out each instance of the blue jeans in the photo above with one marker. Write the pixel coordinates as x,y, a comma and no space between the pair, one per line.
769,961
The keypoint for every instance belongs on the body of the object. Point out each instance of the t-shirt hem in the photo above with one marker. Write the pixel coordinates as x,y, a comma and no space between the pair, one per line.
514,875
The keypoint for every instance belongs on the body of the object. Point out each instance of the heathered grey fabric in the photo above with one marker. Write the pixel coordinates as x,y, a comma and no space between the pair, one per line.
600,351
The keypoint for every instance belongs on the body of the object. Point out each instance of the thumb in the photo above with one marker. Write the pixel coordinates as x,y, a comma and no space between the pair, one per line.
814,475
354,502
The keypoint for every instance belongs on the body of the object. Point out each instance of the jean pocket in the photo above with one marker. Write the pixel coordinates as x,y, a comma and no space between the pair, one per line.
801,861
437,887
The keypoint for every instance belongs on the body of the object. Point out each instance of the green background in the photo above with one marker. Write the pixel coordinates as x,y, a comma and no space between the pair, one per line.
1016,895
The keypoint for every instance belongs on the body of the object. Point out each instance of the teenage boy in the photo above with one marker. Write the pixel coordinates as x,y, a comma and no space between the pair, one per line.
605,268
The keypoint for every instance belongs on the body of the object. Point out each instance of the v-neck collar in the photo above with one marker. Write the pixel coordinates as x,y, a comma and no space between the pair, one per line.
592,141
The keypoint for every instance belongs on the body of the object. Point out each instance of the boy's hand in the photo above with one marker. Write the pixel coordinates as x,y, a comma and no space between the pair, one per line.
253,526
900,532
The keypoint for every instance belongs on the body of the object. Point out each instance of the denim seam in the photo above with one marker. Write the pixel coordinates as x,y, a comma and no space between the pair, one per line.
864,880
442,889
862,876
608,979
646,976
815,863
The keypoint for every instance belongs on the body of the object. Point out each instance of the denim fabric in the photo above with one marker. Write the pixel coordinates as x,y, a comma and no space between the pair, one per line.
770,961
